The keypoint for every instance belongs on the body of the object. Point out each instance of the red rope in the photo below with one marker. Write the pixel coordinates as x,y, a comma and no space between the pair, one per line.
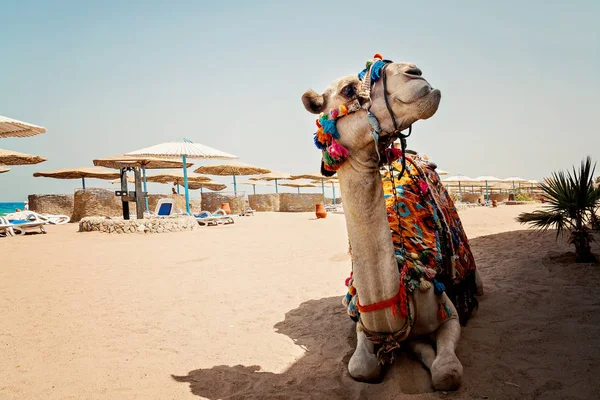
398,300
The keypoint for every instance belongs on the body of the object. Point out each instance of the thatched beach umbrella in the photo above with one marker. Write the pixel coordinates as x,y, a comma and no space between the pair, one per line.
441,172
177,178
514,179
255,184
334,182
298,185
232,168
272,176
130,179
14,128
315,176
144,162
487,179
79,173
3,170
214,186
9,157
184,150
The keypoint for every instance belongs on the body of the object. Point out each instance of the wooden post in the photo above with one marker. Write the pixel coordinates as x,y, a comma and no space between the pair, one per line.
124,189
139,194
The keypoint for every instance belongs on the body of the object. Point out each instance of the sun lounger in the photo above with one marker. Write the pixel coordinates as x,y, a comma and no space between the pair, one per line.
23,226
52,219
206,218
247,212
164,208
6,228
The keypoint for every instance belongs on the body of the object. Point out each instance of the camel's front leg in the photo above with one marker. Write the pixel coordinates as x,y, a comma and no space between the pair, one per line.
363,365
446,370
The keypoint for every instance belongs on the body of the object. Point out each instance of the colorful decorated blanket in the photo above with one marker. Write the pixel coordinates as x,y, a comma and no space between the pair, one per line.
430,243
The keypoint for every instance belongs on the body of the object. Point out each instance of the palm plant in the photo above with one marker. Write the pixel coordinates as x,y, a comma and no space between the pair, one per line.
571,202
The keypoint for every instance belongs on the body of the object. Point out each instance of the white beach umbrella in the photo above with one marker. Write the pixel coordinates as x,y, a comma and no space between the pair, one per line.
514,179
14,128
458,179
184,150
441,172
486,179
3,170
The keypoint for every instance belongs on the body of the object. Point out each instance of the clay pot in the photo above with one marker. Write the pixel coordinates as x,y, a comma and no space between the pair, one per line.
225,207
320,211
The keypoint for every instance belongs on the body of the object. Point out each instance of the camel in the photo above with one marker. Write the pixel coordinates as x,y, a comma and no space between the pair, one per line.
396,95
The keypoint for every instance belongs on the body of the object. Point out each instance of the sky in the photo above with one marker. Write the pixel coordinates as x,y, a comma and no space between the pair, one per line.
519,80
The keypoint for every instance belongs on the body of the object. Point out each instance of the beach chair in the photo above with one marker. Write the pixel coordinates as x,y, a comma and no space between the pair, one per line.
247,211
206,218
6,228
52,219
164,208
23,226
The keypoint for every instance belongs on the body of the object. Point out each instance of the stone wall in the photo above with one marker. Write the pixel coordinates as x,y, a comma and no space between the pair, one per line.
103,203
51,203
499,197
264,202
472,197
212,201
299,202
97,202
179,202
117,225
329,200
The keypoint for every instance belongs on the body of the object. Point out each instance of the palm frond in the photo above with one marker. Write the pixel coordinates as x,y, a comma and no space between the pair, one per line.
544,220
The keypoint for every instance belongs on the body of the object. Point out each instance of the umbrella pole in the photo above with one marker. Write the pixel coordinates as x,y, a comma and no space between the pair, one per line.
459,191
333,187
254,188
83,182
323,188
298,189
177,188
487,195
234,186
145,187
514,191
277,189
185,183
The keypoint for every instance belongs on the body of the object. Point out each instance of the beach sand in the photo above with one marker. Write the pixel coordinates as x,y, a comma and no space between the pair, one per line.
253,311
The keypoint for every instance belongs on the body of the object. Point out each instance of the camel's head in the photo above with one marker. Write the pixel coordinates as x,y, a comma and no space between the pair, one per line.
409,95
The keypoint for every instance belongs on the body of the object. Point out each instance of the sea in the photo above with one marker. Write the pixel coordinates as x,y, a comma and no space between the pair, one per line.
10,207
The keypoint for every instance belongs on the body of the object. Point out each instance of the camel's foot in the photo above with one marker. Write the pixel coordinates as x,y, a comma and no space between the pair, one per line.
363,365
446,372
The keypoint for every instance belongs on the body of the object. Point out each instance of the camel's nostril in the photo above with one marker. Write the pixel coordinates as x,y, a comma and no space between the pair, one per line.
413,71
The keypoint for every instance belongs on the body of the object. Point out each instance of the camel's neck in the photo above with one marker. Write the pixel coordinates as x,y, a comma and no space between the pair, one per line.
375,269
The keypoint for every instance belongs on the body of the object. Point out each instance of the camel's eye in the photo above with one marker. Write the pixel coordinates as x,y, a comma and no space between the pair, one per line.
348,91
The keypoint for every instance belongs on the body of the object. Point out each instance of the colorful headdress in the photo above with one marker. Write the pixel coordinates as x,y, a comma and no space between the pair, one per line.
334,154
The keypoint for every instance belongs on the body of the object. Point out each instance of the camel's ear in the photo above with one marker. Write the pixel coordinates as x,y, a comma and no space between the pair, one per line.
325,172
313,101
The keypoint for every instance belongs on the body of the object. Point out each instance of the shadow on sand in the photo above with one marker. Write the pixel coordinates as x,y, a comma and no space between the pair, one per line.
528,321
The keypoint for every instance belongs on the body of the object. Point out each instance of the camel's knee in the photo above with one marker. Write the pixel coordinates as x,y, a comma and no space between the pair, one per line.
423,351
363,364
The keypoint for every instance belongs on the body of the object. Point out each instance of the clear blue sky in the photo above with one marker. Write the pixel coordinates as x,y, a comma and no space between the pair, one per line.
519,80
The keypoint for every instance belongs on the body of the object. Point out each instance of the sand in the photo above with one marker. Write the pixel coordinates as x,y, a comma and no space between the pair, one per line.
252,311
